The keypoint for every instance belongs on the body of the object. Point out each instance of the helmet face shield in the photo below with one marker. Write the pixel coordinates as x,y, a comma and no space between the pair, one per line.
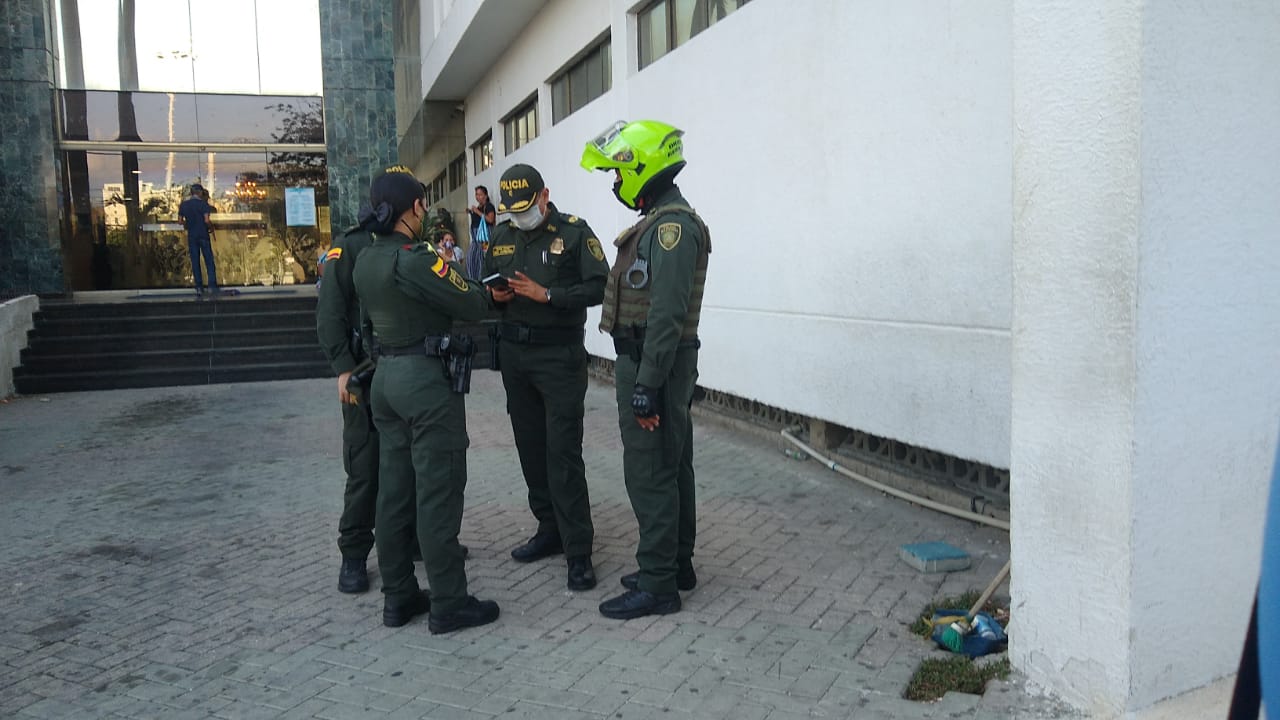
600,153
638,151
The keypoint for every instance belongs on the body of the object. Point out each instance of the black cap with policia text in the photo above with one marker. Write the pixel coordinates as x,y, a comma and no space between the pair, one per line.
519,187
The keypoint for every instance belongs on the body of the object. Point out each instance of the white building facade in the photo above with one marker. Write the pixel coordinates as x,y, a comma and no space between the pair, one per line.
978,228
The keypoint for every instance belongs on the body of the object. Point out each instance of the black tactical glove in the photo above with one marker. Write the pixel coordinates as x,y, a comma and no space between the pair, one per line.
646,401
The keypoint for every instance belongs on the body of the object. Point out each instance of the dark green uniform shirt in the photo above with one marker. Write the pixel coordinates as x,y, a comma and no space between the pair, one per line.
563,255
673,261
338,309
409,292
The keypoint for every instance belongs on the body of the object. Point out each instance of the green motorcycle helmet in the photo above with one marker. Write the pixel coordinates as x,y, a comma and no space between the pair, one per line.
640,151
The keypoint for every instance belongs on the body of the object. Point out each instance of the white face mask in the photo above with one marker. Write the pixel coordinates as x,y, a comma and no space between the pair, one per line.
529,219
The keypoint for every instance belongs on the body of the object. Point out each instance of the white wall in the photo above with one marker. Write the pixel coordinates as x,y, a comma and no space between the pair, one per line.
1146,333
1207,402
852,161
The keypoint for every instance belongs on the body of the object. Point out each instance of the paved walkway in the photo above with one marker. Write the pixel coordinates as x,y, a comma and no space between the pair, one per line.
169,553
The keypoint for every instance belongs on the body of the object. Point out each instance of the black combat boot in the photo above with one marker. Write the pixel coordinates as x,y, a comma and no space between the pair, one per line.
638,603
352,577
582,576
539,546
475,612
399,614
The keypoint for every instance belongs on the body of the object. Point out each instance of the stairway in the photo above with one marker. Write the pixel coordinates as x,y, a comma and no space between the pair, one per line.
152,343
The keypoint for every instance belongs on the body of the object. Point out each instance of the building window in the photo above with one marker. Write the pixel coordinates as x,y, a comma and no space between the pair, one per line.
522,125
482,153
458,172
667,24
436,191
584,81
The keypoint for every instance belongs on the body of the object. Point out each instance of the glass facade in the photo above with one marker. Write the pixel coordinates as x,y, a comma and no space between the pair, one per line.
157,95
129,202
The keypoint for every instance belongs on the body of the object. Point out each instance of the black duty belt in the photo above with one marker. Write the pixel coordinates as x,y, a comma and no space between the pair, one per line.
430,347
525,335
634,348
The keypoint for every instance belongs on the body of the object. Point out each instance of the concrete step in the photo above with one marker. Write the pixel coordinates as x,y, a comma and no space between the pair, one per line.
138,325
219,339
163,377
54,310
168,358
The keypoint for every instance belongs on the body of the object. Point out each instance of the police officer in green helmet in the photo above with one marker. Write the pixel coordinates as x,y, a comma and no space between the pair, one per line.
555,269
652,300
410,297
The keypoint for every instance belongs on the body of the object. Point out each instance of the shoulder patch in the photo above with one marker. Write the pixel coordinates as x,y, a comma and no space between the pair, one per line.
406,247
440,267
456,279
669,235
500,250
573,220
593,244
333,254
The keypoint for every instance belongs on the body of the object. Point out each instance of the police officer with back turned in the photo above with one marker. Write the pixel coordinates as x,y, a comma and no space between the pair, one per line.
651,306
556,269
411,297
337,325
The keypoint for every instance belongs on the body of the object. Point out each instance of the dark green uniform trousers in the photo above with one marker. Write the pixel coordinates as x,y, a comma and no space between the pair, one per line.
360,460
546,387
422,469
658,468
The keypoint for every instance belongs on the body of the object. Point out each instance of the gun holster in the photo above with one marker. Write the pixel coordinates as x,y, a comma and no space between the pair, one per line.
361,380
456,353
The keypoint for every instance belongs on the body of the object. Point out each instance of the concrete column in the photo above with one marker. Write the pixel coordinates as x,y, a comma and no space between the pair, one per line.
358,60
30,242
1146,337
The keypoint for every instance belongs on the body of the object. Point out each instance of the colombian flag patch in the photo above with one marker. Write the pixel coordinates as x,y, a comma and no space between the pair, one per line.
333,254
441,268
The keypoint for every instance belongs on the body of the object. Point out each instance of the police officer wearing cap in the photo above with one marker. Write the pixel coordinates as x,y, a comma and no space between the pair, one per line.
651,307
555,269
338,327
411,297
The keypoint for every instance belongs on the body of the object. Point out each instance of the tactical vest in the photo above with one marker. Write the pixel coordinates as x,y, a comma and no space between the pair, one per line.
626,306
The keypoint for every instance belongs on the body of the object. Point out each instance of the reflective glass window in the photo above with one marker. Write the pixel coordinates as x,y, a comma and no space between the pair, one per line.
482,153
229,46
224,42
162,40
289,47
667,24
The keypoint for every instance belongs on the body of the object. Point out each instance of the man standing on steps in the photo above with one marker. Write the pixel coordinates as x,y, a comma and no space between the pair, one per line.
194,213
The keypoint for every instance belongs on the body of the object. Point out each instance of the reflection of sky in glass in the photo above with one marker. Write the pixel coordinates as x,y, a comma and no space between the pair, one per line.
221,118
211,46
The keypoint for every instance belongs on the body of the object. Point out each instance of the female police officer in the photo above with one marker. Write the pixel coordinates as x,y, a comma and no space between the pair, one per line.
411,297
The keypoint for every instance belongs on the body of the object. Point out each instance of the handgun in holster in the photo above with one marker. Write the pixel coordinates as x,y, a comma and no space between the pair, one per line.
361,380
456,353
